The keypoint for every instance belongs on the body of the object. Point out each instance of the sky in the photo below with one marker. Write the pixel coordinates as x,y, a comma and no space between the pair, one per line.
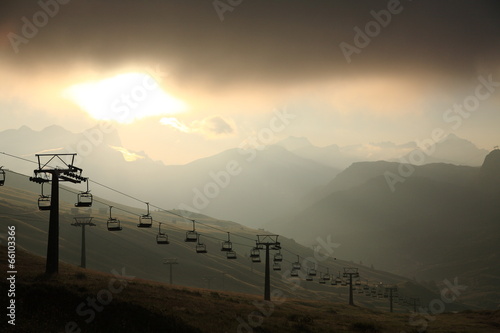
181,80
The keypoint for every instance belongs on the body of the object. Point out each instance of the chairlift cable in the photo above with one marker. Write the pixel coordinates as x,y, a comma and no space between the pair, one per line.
139,200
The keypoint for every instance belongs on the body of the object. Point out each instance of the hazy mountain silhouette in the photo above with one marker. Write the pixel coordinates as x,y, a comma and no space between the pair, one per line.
262,183
451,149
440,223
455,150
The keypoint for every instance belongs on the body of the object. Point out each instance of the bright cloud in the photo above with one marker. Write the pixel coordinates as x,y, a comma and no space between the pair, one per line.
127,155
211,127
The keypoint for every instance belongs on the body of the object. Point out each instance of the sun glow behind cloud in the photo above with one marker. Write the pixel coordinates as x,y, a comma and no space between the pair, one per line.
124,98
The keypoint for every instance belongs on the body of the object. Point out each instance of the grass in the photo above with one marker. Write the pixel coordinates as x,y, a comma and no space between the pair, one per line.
49,304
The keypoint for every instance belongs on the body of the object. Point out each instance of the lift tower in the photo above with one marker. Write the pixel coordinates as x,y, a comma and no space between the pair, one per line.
60,168
83,222
350,273
269,241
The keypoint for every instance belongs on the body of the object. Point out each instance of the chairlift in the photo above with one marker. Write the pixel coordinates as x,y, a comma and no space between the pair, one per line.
84,199
276,266
44,201
338,279
357,282
255,253
255,259
230,254
113,224
309,278
278,257
162,237
312,272
146,220
200,247
2,176
294,273
334,282
192,235
296,265
343,283
227,245
326,277
259,246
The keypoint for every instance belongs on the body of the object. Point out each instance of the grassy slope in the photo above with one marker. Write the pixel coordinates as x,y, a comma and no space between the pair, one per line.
47,304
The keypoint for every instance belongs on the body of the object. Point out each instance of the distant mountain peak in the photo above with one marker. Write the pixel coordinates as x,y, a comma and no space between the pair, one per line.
491,164
293,143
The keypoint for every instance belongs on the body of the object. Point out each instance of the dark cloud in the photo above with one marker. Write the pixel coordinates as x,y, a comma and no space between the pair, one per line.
262,41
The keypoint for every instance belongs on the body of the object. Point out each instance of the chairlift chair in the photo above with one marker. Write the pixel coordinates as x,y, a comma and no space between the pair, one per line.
192,235
321,279
278,257
146,220
296,265
44,202
294,273
312,272
256,259
255,253
357,282
230,254
84,199
200,247
113,224
334,282
276,266
309,278
227,245
326,277
2,176
162,237
343,283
